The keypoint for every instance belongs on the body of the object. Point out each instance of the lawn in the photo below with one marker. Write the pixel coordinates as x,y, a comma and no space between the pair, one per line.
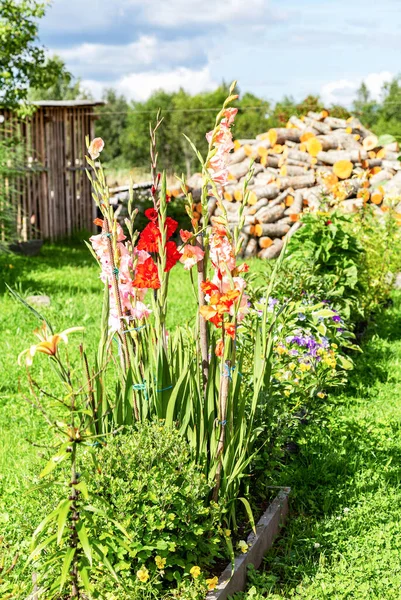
343,537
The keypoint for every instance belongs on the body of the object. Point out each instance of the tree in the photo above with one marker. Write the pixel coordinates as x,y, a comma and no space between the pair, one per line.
364,107
64,87
112,125
22,60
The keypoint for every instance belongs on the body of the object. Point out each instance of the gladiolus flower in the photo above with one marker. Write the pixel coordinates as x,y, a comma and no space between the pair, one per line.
219,350
191,255
147,275
151,214
95,148
195,571
172,255
185,235
48,343
149,238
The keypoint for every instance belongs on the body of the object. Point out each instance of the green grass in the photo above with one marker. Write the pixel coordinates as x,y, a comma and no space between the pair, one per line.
343,537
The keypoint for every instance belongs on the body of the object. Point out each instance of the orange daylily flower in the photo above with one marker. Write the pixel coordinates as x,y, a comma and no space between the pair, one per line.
48,343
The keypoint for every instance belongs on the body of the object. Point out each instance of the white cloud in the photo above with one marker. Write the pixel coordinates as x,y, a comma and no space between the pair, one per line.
343,91
139,86
173,13
146,52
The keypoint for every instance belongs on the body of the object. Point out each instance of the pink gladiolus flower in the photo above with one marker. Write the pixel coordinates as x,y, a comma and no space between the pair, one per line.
185,235
190,256
95,148
229,114
222,141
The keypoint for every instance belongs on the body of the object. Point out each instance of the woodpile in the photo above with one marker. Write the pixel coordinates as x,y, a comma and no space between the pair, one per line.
314,159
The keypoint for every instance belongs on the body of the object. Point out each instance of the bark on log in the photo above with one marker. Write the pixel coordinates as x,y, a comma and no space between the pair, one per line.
266,191
335,123
238,170
329,142
271,230
269,214
391,164
302,157
252,210
381,177
334,156
251,248
320,127
293,229
297,206
300,181
284,134
273,251
291,170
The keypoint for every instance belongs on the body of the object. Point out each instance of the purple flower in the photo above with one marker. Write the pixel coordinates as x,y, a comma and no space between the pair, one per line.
336,319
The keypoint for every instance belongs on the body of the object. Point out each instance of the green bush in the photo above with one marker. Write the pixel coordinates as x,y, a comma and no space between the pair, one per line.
156,492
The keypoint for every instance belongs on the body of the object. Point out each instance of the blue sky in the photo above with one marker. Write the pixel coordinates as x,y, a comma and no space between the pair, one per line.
272,47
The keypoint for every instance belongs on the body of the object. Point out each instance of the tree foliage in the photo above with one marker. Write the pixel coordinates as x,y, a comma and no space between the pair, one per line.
22,60
64,87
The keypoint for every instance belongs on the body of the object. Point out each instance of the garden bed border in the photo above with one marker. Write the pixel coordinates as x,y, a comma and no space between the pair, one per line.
267,529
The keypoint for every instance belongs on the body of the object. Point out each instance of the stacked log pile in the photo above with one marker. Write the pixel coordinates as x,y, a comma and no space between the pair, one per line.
316,158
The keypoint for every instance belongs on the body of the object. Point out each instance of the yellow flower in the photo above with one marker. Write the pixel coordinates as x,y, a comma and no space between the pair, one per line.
195,572
160,562
211,583
10,266
334,346
305,367
227,532
243,546
48,343
143,574
287,393
292,366
321,395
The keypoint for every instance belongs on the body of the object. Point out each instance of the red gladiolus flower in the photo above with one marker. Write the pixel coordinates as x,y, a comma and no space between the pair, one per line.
172,255
230,329
152,214
208,287
171,226
147,275
149,238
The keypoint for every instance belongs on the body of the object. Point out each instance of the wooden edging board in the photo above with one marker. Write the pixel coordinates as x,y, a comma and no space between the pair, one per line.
267,529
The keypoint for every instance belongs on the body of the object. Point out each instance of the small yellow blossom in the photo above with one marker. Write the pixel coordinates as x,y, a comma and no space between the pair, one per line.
195,572
227,532
143,574
281,350
287,393
321,395
243,546
160,562
305,367
334,346
10,266
211,583
292,366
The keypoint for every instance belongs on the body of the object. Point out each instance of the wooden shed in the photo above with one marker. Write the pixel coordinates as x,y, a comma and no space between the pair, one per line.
52,194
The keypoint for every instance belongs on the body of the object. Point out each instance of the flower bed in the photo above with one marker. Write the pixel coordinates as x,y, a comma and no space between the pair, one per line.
166,441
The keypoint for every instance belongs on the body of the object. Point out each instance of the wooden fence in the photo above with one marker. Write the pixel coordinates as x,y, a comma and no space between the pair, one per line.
51,193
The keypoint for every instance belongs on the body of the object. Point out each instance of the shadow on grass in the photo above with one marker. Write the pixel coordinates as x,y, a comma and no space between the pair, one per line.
62,258
353,456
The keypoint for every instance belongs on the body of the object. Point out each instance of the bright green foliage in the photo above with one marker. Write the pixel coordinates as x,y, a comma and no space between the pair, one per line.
65,86
331,258
156,491
22,60
343,537
112,124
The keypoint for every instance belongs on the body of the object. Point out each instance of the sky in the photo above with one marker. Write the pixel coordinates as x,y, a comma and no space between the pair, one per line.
272,47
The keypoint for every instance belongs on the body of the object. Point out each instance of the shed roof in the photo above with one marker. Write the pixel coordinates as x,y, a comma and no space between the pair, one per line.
67,103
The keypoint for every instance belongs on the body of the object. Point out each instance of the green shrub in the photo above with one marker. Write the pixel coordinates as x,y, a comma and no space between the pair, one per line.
156,492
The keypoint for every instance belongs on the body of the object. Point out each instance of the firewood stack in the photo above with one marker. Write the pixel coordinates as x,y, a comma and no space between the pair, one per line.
314,159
